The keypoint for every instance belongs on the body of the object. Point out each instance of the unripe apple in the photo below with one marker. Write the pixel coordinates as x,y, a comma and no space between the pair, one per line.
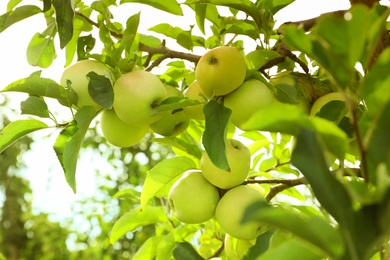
220,70
252,96
192,198
230,212
76,75
136,94
239,159
194,91
235,249
172,122
119,133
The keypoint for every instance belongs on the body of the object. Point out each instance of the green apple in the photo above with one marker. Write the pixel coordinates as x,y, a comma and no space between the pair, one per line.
231,208
252,96
325,100
136,94
173,122
76,76
220,70
192,198
239,160
235,249
194,91
119,133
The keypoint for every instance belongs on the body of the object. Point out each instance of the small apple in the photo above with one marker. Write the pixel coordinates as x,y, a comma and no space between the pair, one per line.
173,122
194,91
76,76
239,159
250,97
119,133
220,70
136,94
231,208
235,249
192,198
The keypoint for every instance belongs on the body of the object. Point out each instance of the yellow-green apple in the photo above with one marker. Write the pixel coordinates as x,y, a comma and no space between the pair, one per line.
250,97
235,249
194,91
239,160
136,94
230,212
220,70
119,133
192,198
75,76
173,122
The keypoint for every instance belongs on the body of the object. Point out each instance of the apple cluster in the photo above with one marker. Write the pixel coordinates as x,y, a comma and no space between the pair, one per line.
209,192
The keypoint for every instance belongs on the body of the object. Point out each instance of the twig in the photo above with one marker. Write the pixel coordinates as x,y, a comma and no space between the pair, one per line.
274,190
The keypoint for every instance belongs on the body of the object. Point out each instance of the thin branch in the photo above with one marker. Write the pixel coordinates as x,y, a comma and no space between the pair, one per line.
274,190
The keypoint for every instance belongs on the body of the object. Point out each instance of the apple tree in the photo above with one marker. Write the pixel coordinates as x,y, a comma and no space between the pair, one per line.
280,135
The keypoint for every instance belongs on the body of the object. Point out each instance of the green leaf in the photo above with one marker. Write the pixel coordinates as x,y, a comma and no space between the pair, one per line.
179,143
17,15
261,245
309,159
128,38
200,16
100,89
259,58
163,175
312,229
35,106
148,250
216,121
41,51
69,142
170,6
136,218
292,249
64,18
185,250
17,129
175,103
12,3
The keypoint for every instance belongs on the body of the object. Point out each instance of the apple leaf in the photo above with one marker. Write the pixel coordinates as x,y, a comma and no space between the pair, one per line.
162,175
41,51
68,143
17,129
64,20
214,136
261,245
314,230
309,159
259,58
100,89
185,250
148,249
175,103
18,14
136,218
35,106
180,144
170,6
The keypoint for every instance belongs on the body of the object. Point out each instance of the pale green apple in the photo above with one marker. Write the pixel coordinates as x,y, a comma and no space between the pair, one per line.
172,122
136,94
230,212
192,198
239,160
194,91
119,133
76,76
235,249
326,99
252,96
220,70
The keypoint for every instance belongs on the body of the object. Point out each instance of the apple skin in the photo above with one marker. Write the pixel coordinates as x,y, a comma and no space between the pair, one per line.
194,91
252,96
173,122
119,133
220,70
136,94
235,249
192,198
77,74
231,208
239,159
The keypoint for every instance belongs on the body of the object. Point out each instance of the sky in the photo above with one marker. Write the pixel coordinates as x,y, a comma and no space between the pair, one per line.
50,191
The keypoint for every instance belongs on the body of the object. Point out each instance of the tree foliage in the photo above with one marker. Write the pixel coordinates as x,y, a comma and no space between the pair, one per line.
340,157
